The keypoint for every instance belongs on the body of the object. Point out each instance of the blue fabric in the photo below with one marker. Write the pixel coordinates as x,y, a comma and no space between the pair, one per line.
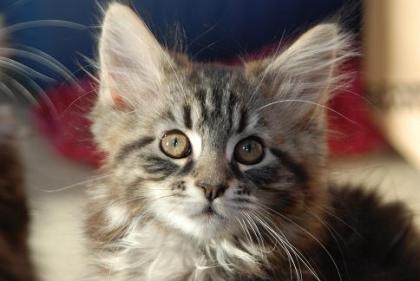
63,43
214,29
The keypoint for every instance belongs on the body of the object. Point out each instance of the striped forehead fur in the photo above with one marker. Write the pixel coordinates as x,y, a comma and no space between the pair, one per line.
150,217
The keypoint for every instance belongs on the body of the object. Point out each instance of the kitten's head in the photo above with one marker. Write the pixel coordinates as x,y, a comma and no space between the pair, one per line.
205,149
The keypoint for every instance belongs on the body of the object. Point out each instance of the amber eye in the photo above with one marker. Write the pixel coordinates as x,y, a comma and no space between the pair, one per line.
249,151
175,144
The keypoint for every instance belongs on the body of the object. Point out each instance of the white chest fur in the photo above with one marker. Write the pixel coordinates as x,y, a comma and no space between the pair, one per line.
149,253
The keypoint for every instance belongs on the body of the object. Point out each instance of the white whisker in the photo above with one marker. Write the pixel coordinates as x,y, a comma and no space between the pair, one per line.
7,91
310,235
78,184
42,23
45,59
308,102
21,68
22,90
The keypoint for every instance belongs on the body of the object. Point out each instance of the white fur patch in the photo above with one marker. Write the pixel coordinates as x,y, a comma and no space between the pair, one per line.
196,143
116,216
149,253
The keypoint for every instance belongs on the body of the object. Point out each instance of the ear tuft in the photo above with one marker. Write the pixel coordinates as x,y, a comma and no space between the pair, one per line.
307,69
301,78
131,59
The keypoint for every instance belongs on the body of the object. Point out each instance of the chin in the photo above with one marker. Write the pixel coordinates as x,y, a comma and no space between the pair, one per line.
202,226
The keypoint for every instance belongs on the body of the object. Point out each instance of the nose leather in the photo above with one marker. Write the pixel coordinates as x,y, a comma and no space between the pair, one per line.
211,192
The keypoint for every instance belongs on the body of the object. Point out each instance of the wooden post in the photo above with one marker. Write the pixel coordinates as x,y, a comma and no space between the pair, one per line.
392,70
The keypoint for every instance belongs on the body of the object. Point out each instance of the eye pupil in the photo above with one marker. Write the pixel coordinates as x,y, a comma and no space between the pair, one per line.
247,147
175,144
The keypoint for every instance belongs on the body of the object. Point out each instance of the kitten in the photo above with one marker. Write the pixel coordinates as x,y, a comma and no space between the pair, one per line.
218,173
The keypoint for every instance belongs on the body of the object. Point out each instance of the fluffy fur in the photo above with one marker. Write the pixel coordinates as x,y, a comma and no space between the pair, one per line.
276,220
15,261
2,37
14,216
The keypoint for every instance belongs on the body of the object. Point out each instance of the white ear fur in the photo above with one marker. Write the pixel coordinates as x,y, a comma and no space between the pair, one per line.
307,69
131,59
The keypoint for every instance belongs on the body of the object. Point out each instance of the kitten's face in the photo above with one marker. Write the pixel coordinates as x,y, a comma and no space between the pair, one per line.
209,150
208,157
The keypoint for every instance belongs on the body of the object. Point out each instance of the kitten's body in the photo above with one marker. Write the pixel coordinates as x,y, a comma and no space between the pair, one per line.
245,198
369,240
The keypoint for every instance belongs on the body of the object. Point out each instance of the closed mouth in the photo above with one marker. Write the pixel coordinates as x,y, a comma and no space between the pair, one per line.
209,212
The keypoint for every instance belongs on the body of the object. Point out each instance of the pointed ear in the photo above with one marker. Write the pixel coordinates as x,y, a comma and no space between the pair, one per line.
306,71
131,59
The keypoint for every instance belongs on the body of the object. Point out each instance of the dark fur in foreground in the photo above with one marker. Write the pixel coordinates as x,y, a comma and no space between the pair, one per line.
369,240
14,218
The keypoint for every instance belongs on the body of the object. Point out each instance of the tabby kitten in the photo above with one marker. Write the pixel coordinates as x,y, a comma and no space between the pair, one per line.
218,173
